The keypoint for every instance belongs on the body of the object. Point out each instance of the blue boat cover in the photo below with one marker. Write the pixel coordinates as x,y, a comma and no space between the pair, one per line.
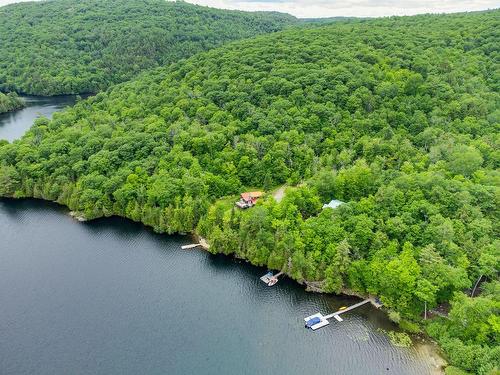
313,321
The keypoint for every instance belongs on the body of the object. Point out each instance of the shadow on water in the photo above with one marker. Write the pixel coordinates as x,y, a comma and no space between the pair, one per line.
117,225
16,208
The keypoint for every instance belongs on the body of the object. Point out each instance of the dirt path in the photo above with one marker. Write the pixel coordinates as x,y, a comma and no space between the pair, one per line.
279,194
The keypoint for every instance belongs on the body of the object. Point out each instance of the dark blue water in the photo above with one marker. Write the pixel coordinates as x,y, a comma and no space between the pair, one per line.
14,124
111,297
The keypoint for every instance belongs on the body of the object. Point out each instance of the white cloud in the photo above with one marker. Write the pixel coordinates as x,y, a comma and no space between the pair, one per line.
360,8
332,8
5,2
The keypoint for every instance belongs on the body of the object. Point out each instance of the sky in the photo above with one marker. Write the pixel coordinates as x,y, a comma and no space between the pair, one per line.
358,8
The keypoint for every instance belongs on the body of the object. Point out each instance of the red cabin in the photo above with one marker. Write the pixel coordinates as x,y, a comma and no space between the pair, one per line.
249,199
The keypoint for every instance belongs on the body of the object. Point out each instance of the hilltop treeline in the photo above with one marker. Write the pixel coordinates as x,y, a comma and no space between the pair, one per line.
396,117
10,102
72,46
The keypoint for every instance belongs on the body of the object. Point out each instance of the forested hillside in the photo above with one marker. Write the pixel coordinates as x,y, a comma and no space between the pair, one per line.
397,117
10,102
84,46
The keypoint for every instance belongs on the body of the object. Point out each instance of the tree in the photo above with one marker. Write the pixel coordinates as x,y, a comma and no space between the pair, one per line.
337,271
10,181
426,292
465,160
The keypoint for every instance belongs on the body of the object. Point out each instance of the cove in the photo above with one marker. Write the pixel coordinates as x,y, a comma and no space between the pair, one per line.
14,124
112,297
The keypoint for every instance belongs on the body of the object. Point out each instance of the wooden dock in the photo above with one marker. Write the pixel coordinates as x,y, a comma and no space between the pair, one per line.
192,246
278,274
337,313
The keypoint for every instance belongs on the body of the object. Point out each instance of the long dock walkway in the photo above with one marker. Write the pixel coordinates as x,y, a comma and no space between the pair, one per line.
337,313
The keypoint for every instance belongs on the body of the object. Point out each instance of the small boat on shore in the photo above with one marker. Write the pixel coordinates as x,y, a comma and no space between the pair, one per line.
272,281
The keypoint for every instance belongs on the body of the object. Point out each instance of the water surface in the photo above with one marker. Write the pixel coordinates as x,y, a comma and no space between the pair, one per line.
111,297
14,124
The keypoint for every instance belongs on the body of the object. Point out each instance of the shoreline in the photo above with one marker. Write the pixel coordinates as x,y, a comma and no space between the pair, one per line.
426,345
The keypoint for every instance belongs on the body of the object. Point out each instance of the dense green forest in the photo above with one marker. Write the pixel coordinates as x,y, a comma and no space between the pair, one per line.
10,102
74,46
397,117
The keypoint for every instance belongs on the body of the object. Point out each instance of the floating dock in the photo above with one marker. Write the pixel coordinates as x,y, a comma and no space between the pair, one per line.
192,246
322,321
267,277
271,279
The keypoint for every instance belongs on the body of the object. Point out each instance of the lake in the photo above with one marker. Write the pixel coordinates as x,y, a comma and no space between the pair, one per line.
14,124
112,297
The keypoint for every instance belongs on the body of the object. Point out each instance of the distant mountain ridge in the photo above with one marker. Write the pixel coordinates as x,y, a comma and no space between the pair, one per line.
71,46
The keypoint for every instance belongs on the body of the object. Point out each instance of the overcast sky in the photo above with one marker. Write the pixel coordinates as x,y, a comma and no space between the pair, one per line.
360,8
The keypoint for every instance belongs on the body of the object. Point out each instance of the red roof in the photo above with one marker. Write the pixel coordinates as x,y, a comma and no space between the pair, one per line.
251,195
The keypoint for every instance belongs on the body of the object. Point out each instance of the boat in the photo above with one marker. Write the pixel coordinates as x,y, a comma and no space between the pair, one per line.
312,322
272,281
